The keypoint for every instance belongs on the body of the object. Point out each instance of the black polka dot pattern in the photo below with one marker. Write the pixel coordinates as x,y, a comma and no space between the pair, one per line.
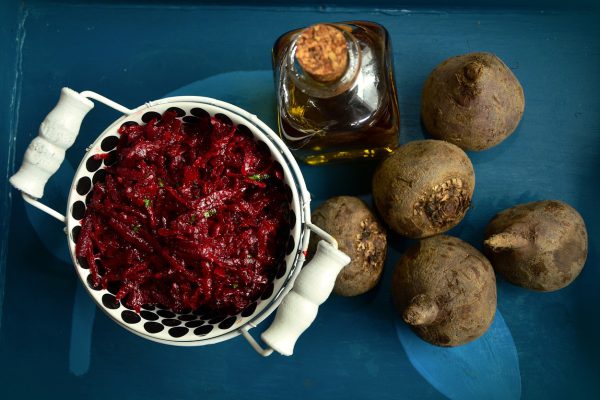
128,123
190,119
268,292
177,110
90,283
288,193
291,245
89,196
187,317
99,266
244,130
149,316
99,176
92,164
148,307
83,262
109,301
178,332
153,327
292,219
166,313
248,311
278,169
223,118
281,270
150,115
194,324
130,317
203,330
78,210
109,143
171,322
200,113
113,287
227,323
75,233
83,185
262,147
216,320
111,158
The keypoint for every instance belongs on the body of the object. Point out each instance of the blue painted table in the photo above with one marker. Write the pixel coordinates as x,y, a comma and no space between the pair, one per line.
53,342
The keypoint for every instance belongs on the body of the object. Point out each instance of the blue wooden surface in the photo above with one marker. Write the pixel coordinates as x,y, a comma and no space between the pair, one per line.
52,340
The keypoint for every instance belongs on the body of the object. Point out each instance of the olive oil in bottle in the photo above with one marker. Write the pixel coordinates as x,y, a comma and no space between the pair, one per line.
336,94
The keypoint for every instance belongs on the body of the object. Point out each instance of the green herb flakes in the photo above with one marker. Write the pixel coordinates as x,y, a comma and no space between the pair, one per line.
259,177
210,213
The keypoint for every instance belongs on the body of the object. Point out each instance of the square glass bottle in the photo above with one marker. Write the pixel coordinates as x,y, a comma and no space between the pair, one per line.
336,94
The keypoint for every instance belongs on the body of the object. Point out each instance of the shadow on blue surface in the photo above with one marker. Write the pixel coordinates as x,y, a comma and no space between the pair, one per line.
49,230
50,233
487,368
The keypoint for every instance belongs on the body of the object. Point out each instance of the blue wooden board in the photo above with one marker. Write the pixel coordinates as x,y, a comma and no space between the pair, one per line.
54,342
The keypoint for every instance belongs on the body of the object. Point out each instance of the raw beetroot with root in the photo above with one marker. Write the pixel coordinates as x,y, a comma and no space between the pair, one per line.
472,100
445,289
190,216
541,245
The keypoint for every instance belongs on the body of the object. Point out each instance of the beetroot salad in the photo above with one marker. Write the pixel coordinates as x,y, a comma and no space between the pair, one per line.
191,216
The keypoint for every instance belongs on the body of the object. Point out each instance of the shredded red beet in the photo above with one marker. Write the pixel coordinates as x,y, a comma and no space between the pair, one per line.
190,217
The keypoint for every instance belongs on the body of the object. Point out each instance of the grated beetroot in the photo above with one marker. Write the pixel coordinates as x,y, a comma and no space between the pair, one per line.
190,217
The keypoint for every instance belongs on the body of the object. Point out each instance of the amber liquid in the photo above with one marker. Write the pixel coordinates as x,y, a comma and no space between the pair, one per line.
362,121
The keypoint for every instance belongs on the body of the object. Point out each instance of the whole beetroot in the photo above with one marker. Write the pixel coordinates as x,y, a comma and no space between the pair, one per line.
541,245
360,235
445,289
472,100
424,188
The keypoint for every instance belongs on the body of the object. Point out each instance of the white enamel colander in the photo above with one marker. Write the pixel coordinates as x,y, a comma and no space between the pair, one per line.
296,291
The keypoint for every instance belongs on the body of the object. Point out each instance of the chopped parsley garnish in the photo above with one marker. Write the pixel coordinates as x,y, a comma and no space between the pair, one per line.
210,213
259,177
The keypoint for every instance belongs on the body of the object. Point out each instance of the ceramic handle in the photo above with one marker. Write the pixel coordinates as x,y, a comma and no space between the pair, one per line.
299,308
46,152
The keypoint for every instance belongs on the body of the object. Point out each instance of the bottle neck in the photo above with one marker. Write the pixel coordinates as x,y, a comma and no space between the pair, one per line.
314,88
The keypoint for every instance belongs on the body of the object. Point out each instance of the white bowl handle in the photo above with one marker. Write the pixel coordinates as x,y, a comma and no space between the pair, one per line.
312,287
46,152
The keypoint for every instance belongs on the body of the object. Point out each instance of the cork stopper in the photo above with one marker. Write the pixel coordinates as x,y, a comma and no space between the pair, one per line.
322,52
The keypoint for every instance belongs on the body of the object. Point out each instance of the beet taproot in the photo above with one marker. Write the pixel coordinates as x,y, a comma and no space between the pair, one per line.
472,100
424,188
541,245
445,289
360,235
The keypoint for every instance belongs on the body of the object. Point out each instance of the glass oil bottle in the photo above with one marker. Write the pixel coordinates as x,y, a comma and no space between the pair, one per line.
336,94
